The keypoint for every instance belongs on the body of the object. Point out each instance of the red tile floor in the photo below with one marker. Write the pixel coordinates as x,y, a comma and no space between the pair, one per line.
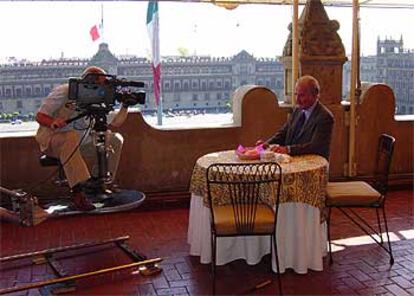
360,267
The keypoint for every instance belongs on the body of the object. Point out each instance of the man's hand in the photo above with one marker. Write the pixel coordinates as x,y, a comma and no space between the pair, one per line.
49,121
129,102
279,149
57,123
120,116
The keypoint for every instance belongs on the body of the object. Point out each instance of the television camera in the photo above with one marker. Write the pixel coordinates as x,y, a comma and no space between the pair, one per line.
98,91
94,96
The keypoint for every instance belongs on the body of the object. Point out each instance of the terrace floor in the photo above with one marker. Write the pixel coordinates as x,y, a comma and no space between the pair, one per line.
360,268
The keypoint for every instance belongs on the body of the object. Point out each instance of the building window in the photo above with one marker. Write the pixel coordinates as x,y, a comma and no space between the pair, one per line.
206,96
219,84
218,96
19,104
18,92
279,84
195,97
194,84
167,85
28,91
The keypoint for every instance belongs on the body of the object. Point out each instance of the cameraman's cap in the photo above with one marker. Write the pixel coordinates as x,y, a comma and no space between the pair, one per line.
93,69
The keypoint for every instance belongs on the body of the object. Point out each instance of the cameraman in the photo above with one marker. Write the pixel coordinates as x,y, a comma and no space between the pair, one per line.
58,139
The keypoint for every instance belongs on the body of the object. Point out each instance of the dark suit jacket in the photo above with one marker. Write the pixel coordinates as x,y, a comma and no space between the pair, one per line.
313,138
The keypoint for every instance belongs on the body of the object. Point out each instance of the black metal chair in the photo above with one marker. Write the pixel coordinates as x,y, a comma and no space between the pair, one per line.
47,161
244,187
347,196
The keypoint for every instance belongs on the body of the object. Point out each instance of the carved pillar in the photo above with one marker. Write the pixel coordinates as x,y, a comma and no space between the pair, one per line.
321,52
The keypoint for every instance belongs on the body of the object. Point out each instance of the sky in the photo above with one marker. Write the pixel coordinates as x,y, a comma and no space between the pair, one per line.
50,30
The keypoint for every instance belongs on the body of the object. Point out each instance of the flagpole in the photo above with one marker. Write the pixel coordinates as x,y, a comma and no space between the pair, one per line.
102,24
159,111
157,45
153,30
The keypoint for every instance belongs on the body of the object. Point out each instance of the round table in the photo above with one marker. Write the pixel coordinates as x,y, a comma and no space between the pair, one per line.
300,234
304,177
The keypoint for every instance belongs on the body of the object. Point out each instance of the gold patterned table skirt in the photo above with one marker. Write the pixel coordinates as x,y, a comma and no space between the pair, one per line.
304,178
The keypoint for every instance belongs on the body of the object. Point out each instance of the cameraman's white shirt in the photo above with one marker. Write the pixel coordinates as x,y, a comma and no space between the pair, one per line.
56,104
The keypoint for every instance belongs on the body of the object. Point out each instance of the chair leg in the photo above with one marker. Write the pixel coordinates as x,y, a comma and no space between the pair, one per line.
279,279
271,253
328,223
364,225
388,235
379,225
213,261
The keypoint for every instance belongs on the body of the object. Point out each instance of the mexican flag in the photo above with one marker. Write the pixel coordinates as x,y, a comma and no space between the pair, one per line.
94,32
154,35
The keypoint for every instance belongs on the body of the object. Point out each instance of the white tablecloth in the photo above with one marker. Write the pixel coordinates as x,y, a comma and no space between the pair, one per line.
301,238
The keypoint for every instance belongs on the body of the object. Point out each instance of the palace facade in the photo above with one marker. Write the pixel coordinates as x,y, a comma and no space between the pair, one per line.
392,65
197,82
194,82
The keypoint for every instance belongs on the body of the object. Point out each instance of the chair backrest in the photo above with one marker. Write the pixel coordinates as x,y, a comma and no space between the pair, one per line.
384,157
244,186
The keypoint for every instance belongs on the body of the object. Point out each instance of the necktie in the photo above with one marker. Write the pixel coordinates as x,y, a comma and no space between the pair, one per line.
300,123
297,129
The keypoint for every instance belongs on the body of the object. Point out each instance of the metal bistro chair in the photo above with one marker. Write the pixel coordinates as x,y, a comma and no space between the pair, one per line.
346,196
244,186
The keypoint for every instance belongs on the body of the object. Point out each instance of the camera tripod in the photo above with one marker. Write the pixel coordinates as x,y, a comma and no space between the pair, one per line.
100,127
103,195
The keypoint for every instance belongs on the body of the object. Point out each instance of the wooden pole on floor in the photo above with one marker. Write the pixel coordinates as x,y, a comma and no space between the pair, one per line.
64,248
79,276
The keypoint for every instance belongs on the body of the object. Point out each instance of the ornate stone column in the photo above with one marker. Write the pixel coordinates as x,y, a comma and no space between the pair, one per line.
321,52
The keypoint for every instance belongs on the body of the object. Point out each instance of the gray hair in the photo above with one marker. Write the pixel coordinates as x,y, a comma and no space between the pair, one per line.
311,82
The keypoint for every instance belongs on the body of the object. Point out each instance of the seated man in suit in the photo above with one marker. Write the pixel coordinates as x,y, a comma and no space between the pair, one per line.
309,128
